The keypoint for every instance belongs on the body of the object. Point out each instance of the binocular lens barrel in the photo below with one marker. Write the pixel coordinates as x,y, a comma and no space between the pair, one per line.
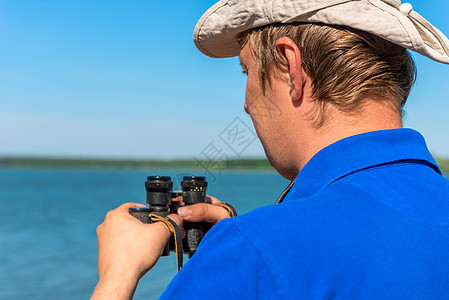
158,190
194,189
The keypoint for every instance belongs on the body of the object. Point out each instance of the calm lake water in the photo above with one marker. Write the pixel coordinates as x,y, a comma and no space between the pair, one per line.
48,218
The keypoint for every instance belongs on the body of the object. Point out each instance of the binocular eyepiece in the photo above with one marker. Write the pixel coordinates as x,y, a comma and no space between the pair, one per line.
159,196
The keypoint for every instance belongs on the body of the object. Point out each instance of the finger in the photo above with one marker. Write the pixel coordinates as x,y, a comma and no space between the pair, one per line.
177,199
203,212
126,206
177,219
162,226
117,214
183,233
124,209
212,199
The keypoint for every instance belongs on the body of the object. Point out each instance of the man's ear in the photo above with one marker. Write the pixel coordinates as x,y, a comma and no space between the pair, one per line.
288,49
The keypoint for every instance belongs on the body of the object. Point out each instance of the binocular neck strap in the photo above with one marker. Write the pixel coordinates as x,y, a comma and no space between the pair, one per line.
174,229
285,192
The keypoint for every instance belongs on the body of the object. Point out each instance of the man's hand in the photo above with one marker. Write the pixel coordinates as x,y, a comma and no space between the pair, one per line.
204,211
127,249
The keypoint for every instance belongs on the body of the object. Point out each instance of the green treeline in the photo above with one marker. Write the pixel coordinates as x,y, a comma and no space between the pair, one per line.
443,164
233,164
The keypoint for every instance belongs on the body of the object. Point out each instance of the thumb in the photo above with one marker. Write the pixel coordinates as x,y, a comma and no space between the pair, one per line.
203,212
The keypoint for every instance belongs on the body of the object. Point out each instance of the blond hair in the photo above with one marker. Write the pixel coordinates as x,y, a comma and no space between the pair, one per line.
346,65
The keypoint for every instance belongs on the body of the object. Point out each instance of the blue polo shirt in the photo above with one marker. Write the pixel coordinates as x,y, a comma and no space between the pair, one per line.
367,218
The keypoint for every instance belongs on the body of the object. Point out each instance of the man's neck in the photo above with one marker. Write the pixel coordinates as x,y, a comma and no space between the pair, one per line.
373,116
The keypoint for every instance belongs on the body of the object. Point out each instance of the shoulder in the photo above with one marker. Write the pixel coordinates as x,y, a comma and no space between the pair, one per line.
340,203
225,266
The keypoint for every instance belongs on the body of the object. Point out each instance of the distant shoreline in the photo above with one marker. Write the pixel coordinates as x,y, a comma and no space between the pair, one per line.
444,164
232,164
50,162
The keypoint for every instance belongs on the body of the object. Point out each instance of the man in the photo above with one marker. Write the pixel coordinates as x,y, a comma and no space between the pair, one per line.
367,214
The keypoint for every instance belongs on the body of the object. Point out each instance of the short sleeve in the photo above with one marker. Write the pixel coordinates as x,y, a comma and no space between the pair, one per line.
225,266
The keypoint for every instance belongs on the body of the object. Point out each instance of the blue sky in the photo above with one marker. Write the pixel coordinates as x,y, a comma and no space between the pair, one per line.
123,79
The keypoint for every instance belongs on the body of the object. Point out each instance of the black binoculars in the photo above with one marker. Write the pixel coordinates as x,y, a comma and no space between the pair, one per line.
159,200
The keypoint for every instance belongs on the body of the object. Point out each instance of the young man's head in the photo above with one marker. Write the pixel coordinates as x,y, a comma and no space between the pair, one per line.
319,70
302,77
346,65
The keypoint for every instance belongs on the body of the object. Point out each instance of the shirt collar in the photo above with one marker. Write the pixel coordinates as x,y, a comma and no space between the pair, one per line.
359,152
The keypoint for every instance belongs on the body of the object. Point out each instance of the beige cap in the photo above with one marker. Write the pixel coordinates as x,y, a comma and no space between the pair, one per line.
216,32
